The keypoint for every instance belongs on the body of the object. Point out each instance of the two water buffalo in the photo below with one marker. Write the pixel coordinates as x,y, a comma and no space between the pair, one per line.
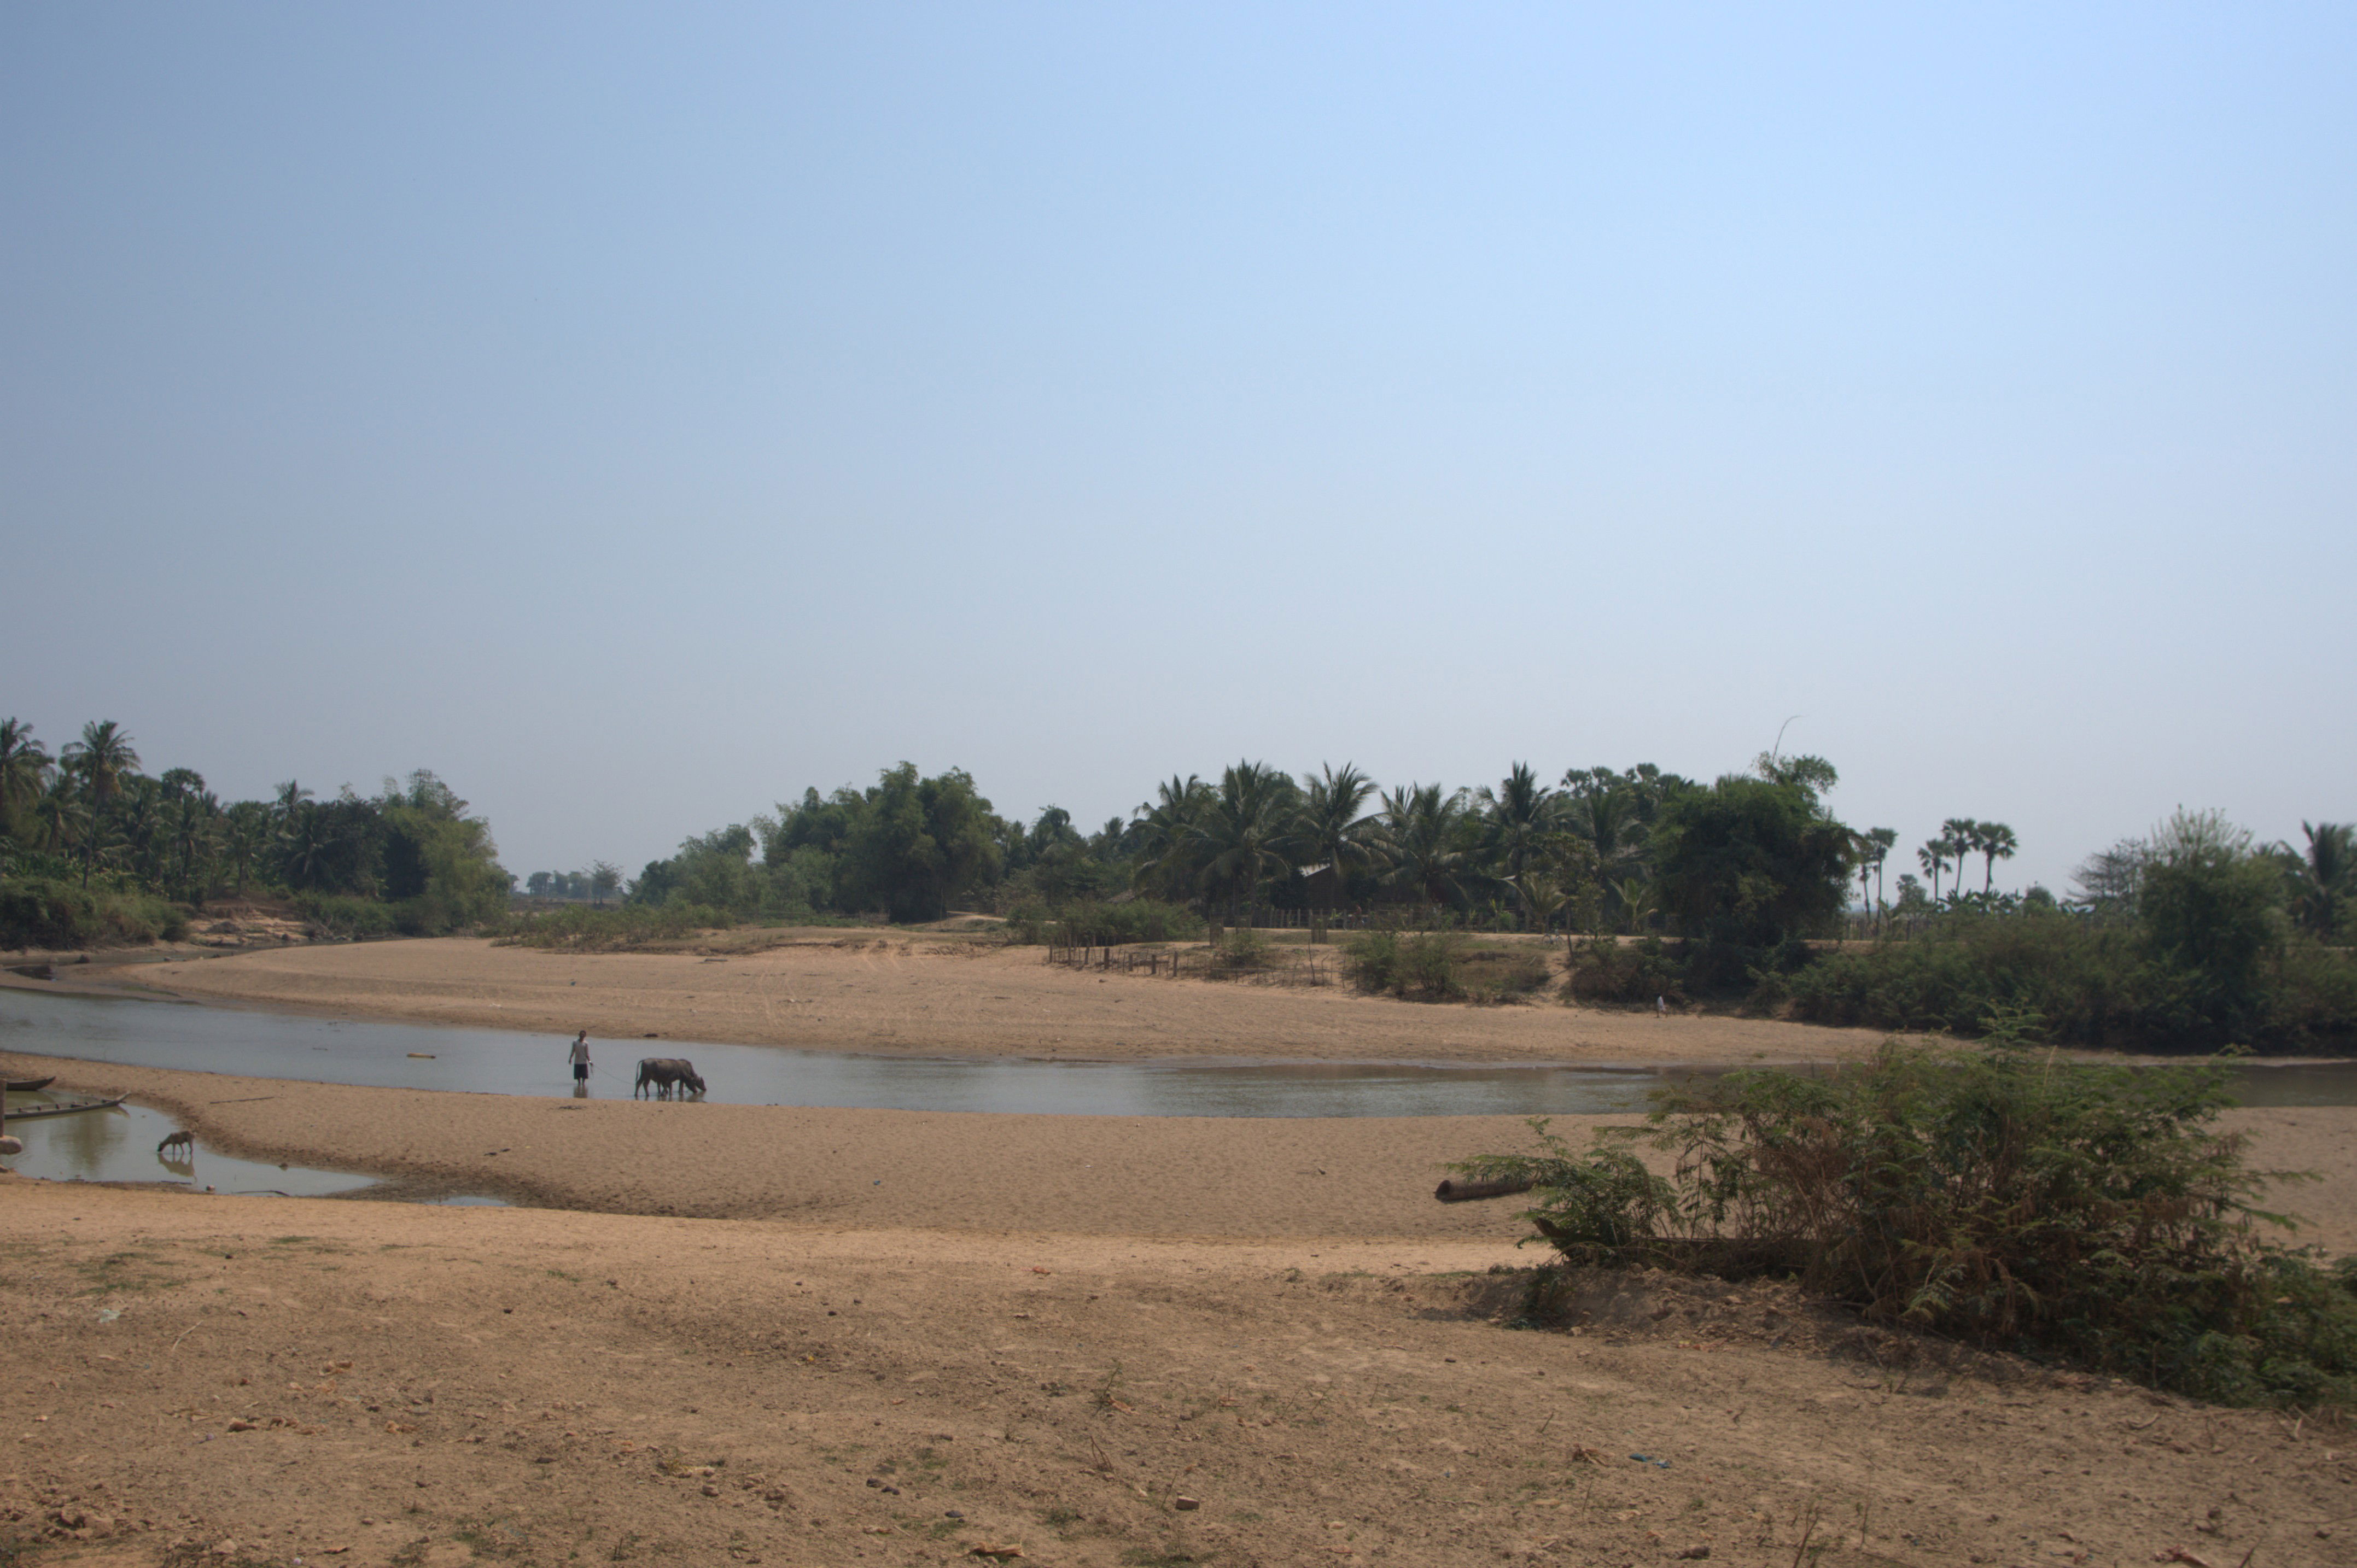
668,1076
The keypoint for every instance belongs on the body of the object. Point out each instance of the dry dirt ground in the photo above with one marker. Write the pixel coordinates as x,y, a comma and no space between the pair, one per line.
224,1380
1105,1176
875,991
793,1337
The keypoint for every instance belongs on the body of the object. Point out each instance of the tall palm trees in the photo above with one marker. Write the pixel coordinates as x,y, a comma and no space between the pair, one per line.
1331,826
1995,841
1604,813
1425,842
1164,844
1241,830
99,759
2324,879
24,765
1933,858
1519,820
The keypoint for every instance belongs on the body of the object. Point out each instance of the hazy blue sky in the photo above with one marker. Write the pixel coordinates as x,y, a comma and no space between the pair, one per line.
638,413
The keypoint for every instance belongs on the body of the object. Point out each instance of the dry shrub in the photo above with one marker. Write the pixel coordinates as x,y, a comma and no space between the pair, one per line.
2091,1213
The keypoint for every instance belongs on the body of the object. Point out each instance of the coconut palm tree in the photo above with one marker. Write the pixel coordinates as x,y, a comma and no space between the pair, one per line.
1606,814
1240,832
62,815
245,831
1163,847
99,760
1423,838
1996,841
1331,827
2324,879
1517,823
24,767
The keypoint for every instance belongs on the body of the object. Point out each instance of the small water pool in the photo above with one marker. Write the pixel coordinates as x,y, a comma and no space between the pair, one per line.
120,1144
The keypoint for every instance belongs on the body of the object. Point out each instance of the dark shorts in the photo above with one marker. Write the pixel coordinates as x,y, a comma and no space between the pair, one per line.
581,1072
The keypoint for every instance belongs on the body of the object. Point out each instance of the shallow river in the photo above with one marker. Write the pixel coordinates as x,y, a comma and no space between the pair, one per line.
404,1056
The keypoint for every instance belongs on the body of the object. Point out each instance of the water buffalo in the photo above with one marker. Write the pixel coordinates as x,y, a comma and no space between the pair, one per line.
666,1075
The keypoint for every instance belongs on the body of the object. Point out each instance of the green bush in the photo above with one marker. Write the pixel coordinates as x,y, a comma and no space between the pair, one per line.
43,912
343,915
2085,1212
1371,960
1102,925
590,930
1493,972
2106,983
1607,970
1423,966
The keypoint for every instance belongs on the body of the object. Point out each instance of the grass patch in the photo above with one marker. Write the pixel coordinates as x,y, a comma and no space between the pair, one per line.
581,928
2076,1212
1101,925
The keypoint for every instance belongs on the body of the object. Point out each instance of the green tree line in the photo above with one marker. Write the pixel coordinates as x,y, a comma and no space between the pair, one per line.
93,848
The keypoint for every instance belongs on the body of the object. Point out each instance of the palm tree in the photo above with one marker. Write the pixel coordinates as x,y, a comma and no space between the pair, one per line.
1422,836
62,815
1880,844
99,760
288,801
1240,830
1519,820
1963,836
1996,841
195,819
1331,826
245,829
24,767
2323,880
1163,845
1933,858
1606,815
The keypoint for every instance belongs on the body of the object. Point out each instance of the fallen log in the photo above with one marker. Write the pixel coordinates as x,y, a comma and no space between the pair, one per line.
1456,1191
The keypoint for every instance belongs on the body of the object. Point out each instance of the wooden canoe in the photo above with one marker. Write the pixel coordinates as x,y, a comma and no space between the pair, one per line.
41,1110
29,1085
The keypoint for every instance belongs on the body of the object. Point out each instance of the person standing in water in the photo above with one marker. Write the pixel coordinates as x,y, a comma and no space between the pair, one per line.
579,1057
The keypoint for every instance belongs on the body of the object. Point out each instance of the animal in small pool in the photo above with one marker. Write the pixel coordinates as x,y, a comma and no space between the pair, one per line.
178,1145
667,1076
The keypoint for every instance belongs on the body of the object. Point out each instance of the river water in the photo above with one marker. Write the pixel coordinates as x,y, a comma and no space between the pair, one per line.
489,1061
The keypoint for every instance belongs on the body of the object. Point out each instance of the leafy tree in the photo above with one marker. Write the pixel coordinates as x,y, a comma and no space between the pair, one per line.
1813,775
2110,881
918,842
605,878
1749,865
2211,910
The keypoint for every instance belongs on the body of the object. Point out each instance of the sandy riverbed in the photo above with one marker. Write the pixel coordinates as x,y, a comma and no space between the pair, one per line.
716,1326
